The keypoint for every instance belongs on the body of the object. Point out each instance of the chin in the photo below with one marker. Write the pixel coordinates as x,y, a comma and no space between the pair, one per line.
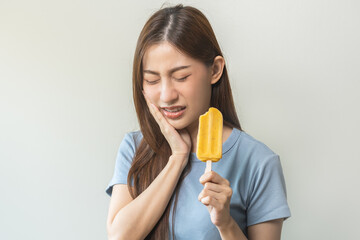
178,125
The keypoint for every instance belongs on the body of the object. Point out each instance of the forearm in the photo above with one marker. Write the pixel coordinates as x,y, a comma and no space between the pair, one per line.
137,219
231,231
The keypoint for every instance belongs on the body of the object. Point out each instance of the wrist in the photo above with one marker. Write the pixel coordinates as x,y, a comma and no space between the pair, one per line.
231,230
179,159
227,226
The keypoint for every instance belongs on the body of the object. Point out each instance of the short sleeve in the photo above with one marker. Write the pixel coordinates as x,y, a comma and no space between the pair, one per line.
123,162
268,200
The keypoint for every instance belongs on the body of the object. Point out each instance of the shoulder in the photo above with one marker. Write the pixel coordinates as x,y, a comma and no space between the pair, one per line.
135,136
253,151
254,144
131,141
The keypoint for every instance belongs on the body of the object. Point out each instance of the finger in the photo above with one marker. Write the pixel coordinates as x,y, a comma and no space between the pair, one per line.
220,196
153,109
206,193
167,130
185,135
159,118
214,187
220,193
213,177
210,201
223,189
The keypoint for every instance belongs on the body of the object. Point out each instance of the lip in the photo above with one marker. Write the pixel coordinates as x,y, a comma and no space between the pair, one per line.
173,115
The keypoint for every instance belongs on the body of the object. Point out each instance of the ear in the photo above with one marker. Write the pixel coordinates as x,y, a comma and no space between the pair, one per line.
217,69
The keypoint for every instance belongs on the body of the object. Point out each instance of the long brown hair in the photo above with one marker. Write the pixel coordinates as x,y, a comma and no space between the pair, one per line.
187,29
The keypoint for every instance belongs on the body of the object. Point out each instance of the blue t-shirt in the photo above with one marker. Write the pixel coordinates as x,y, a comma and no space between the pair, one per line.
253,170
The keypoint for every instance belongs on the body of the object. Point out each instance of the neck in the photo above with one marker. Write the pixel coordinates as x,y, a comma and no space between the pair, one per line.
193,131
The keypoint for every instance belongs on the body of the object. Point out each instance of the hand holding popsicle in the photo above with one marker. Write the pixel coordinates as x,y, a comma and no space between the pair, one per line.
217,192
216,195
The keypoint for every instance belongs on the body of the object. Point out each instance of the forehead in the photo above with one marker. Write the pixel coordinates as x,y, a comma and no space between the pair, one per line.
163,56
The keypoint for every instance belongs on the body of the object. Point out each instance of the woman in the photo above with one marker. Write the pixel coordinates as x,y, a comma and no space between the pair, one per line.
158,190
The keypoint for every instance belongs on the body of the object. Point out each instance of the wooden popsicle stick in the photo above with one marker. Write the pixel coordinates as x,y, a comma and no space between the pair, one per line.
208,169
208,166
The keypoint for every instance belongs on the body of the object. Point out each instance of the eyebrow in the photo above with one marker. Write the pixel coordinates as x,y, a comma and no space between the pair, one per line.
170,71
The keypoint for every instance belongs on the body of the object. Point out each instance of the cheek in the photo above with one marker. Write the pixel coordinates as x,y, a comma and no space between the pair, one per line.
150,93
200,92
203,88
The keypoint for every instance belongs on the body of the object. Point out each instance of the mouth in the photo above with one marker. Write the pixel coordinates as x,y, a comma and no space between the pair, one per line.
174,112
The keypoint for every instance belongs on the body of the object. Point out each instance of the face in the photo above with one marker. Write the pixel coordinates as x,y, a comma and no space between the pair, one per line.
177,84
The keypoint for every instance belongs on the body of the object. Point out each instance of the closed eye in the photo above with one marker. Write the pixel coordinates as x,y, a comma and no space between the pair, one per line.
182,79
151,82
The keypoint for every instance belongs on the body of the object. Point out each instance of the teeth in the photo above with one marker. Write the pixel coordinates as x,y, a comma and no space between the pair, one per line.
173,110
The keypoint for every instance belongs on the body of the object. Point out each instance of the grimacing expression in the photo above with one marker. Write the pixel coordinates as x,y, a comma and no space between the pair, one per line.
177,84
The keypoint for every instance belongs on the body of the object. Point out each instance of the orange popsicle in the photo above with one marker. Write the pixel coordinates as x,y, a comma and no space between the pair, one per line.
209,138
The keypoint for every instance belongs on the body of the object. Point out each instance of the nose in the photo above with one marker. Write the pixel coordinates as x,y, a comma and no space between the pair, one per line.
168,93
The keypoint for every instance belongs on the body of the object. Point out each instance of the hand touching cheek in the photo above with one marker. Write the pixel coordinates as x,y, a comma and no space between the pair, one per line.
179,141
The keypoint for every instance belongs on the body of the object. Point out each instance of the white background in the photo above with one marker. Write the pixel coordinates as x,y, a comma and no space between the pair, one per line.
66,103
